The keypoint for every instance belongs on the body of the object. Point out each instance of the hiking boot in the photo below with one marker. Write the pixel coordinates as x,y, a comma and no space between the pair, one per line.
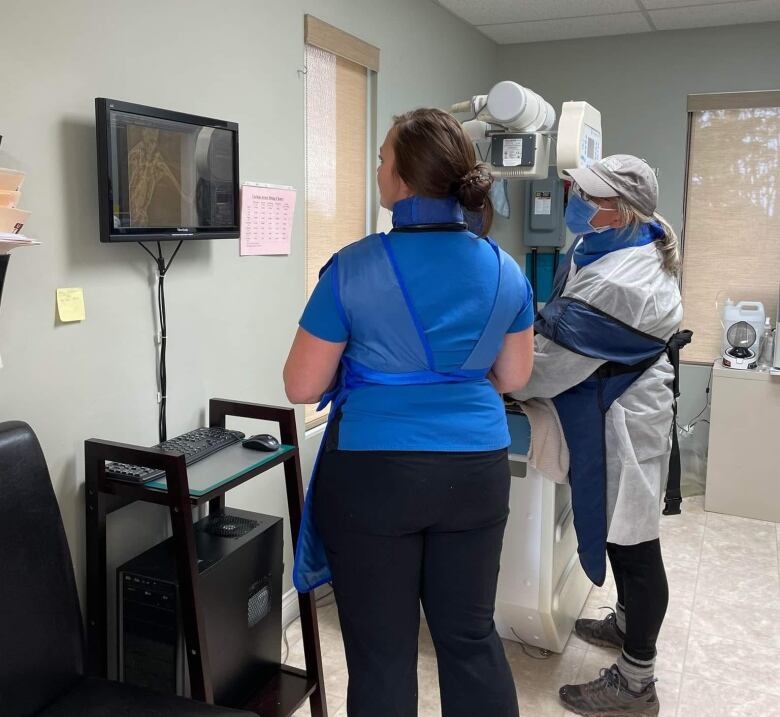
604,633
609,696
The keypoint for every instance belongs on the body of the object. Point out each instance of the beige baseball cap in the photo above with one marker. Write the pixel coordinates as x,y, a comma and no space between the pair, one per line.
620,175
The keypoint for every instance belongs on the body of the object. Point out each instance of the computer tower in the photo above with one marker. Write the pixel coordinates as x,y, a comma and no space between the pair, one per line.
240,572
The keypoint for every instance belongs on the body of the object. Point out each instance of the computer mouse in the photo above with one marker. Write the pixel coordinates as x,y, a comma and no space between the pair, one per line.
261,442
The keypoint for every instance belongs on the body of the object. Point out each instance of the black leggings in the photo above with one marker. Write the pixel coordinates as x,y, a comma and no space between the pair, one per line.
401,528
643,592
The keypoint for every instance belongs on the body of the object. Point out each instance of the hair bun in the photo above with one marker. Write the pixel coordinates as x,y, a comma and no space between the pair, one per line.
474,188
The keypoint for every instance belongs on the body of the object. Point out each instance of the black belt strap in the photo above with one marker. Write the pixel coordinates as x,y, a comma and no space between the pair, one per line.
673,497
612,368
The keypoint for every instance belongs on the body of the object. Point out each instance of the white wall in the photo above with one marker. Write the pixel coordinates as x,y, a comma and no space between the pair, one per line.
230,320
640,84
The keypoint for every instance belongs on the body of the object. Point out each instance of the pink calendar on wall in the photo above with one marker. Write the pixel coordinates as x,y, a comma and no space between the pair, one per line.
267,212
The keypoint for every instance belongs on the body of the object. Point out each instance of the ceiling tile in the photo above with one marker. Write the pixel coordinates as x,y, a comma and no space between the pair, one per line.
544,30
712,15
490,12
664,4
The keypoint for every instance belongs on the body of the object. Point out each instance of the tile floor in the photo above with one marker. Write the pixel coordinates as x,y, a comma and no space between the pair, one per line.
718,653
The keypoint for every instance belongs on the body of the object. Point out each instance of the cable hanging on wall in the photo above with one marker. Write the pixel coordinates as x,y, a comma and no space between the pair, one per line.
162,375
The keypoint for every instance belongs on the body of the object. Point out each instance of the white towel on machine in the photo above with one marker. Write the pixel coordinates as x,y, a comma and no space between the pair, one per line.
549,453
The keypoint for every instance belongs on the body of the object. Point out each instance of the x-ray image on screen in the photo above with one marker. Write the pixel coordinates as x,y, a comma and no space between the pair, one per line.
170,174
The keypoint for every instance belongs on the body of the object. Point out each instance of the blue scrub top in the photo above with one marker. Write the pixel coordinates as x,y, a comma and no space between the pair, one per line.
451,278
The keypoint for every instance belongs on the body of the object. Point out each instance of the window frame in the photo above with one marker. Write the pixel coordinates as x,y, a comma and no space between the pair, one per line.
348,47
713,101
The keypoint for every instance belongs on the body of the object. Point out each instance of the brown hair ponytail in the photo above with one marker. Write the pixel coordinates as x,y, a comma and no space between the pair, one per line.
435,158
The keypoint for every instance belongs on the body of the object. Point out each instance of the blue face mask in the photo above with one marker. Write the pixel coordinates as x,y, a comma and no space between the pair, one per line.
579,213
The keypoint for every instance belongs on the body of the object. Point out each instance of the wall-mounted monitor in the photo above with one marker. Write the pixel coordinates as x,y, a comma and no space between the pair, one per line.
165,175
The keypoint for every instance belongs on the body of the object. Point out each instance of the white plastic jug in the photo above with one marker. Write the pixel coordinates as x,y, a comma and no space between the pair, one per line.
750,311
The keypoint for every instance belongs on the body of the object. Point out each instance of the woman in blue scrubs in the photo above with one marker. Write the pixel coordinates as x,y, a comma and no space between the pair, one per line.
411,337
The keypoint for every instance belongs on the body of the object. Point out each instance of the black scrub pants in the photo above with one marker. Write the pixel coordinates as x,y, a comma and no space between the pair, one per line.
404,528
643,591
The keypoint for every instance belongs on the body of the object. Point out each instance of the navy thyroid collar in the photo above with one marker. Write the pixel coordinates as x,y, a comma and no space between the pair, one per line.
426,213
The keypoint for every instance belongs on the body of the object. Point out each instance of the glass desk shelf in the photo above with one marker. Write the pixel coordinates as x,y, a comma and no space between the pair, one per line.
221,468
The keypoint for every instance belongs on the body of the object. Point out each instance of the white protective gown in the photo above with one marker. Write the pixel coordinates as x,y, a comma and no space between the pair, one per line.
630,285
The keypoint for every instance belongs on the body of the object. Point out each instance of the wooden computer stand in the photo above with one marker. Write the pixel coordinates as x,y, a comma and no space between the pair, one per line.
289,688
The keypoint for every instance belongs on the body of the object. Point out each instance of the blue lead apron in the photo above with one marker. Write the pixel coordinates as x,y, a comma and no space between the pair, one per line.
367,278
582,409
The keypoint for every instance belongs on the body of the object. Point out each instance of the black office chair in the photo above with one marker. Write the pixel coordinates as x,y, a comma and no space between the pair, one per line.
41,632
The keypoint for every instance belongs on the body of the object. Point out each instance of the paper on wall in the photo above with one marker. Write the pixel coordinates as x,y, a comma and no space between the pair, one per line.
267,212
70,304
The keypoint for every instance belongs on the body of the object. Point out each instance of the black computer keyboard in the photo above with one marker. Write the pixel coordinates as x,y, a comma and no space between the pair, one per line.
196,445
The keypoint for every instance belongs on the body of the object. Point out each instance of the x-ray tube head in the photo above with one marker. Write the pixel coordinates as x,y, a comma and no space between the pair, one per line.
519,124
511,106
518,108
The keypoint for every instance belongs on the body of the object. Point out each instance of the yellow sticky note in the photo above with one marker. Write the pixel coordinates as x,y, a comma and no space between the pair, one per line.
70,304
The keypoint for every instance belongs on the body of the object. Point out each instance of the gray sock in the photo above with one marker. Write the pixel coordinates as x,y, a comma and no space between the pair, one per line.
620,617
637,673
